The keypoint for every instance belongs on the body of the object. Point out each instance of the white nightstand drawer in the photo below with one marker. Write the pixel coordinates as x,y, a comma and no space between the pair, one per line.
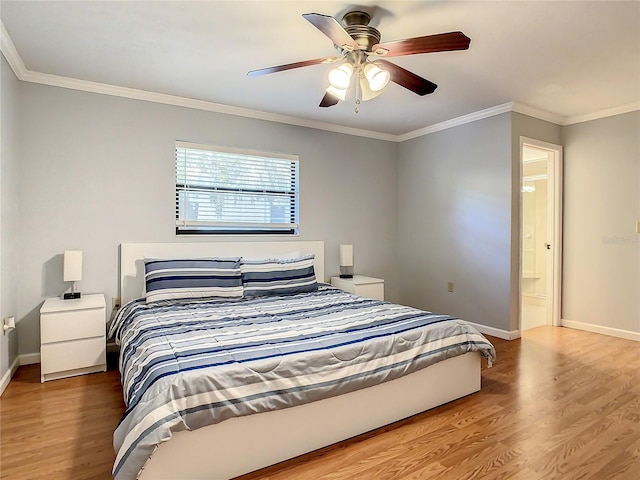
371,290
63,326
361,285
58,357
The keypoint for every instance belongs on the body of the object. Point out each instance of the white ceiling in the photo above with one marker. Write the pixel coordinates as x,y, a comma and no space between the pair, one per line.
569,58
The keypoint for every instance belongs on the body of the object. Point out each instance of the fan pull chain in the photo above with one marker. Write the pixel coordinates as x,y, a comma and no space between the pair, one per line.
357,92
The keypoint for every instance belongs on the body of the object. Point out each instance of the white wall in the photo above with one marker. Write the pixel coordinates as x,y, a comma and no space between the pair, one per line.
454,221
97,171
601,254
8,212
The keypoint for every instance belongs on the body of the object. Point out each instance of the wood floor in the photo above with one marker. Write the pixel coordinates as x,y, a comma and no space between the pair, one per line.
558,404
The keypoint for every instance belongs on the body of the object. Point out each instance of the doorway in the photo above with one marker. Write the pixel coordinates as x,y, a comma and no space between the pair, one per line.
540,228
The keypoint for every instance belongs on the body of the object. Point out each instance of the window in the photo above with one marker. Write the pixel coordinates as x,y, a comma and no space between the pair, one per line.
227,191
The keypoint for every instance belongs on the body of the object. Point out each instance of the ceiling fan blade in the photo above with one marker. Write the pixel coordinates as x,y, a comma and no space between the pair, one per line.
328,100
407,79
289,66
332,29
442,42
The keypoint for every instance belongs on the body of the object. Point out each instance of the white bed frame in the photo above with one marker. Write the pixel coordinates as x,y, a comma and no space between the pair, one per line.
244,444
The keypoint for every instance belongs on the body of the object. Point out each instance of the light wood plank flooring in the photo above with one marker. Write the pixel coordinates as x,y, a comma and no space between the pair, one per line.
558,404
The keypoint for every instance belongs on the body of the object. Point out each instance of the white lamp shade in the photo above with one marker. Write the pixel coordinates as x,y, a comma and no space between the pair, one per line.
340,77
346,255
72,265
367,93
377,77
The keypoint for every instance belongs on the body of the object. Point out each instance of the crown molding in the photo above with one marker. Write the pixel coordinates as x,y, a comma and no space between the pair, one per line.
132,93
454,122
22,73
537,113
486,113
11,54
609,112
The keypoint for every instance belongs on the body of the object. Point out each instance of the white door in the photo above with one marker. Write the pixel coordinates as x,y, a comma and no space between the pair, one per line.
540,239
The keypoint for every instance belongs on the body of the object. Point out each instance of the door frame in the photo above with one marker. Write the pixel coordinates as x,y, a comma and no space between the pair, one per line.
554,274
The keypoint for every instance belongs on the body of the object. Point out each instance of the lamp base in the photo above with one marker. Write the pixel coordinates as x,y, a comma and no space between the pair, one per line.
346,271
71,295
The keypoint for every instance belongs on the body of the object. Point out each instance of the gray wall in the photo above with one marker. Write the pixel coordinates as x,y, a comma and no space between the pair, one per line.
454,221
459,218
97,171
8,210
601,254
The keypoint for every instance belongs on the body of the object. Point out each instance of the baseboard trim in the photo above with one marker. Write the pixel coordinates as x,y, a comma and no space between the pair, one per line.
496,332
613,332
29,358
6,378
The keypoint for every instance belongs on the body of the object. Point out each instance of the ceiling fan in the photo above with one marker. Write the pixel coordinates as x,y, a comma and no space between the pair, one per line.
357,42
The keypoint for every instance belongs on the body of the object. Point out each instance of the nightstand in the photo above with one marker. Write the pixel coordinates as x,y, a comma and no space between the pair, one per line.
72,337
361,285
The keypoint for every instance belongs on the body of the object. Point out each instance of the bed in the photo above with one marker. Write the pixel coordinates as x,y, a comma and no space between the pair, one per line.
282,396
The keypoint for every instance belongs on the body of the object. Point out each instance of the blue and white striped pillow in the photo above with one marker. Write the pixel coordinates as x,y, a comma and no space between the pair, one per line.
278,277
192,278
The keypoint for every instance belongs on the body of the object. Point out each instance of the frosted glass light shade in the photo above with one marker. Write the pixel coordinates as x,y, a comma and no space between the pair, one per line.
340,77
367,93
340,93
72,265
377,77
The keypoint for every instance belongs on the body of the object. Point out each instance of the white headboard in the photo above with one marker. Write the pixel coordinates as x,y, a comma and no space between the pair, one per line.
132,257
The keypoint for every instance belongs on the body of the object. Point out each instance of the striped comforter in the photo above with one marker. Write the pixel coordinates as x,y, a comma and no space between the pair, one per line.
187,364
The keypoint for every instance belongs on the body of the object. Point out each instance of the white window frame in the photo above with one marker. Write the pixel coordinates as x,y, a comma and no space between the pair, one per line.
185,186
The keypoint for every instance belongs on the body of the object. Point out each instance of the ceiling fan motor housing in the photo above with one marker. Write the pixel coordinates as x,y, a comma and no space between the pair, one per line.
356,24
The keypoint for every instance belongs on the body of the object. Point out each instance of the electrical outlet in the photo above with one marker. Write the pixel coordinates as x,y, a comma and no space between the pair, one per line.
115,302
450,287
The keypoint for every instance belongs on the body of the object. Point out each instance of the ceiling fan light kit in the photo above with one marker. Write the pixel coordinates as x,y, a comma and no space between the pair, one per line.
356,40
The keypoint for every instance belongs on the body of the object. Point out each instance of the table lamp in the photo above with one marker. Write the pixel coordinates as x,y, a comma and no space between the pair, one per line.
72,271
346,261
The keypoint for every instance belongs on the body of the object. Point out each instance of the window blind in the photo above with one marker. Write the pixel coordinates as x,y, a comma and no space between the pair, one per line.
222,190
